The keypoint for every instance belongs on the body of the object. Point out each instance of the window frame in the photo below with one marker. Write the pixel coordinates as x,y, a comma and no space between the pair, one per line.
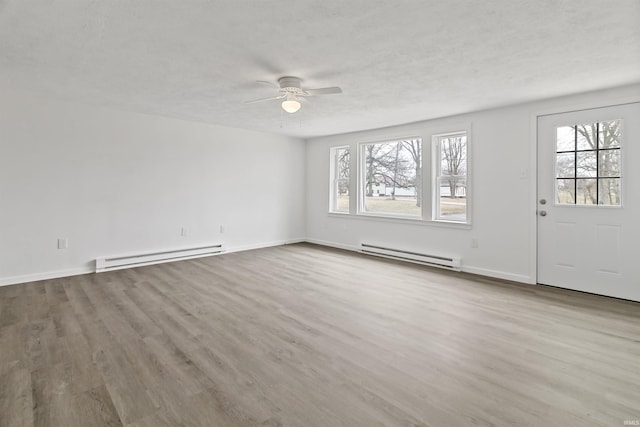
597,177
335,180
436,169
356,184
361,180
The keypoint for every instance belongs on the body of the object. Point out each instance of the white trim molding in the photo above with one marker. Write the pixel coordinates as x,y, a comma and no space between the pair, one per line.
47,275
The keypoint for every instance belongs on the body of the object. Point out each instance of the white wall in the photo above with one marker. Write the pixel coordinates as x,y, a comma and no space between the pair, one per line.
502,146
117,183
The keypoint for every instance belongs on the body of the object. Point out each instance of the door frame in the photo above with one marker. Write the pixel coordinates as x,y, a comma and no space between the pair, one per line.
533,162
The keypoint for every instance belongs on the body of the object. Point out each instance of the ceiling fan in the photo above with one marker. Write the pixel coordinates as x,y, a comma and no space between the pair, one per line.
291,91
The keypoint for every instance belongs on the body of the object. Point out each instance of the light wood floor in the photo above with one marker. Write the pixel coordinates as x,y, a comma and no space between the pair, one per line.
306,336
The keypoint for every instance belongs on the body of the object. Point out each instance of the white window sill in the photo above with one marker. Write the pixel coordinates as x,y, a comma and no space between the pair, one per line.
402,220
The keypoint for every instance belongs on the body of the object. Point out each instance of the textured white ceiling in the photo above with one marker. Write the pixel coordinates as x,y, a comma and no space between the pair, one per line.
397,61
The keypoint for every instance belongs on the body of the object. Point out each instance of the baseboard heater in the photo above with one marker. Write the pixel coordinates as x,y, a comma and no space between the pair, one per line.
450,263
138,260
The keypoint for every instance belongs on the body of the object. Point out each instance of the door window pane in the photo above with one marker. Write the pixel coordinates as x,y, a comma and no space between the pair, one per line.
566,191
586,192
586,164
609,191
590,153
609,163
586,136
565,138
566,165
609,134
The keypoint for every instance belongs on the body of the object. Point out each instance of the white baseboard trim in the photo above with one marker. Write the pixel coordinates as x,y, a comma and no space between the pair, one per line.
5,281
262,245
333,245
84,270
521,278
466,269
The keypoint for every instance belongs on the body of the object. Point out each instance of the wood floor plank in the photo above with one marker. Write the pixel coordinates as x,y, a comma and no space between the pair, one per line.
12,305
90,408
16,407
13,347
301,335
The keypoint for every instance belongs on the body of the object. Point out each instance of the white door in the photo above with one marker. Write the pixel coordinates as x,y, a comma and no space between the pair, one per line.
589,200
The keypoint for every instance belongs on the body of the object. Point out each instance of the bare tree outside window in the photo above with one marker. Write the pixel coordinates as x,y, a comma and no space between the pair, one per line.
342,173
392,177
453,152
343,159
414,148
451,186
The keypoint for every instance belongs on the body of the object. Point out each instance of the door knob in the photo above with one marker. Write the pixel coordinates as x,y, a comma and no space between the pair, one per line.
543,201
543,213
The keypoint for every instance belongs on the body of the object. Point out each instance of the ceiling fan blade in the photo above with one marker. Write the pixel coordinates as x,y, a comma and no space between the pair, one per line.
323,91
266,99
272,84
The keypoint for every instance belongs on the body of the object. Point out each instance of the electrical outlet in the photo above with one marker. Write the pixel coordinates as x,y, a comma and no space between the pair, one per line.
474,243
183,231
63,243
221,229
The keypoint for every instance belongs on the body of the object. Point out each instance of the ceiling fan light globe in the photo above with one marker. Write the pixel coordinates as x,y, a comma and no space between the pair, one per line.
291,106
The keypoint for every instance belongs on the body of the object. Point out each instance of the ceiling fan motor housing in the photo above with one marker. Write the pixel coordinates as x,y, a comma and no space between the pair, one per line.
290,88
290,85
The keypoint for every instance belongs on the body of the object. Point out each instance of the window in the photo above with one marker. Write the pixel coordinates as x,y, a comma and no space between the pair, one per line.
391,181
450,184
341,158
588,164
